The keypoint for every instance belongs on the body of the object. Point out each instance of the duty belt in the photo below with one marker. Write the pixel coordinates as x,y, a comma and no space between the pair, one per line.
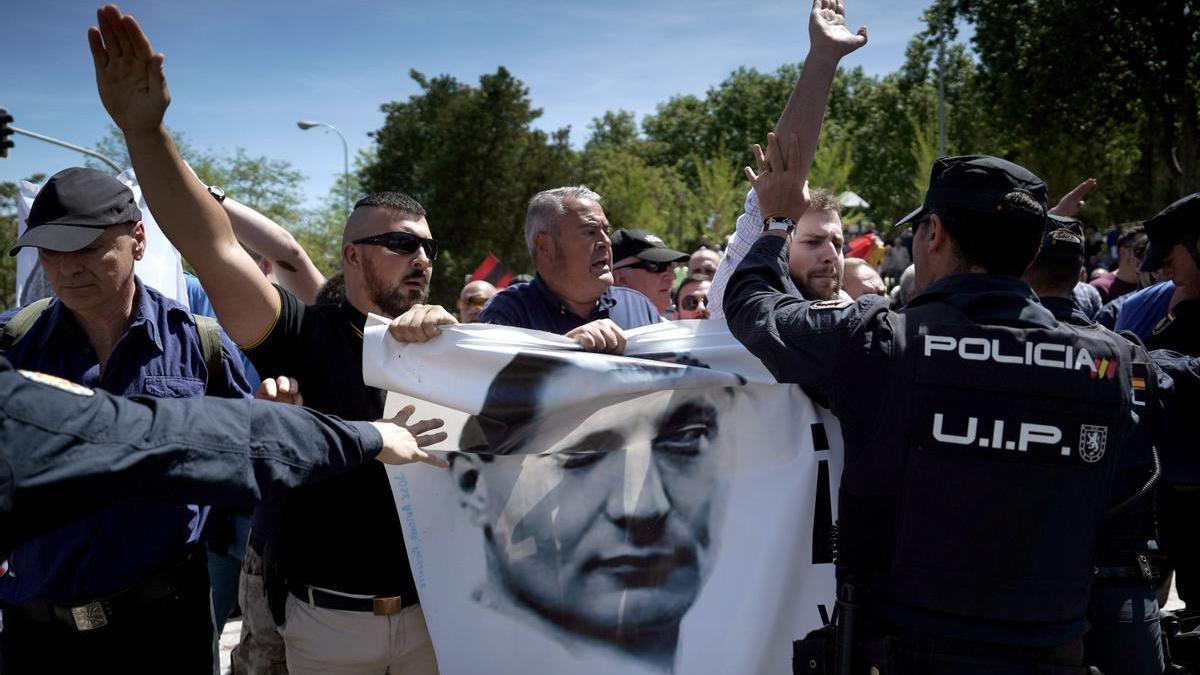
1143,570
379,606
167,584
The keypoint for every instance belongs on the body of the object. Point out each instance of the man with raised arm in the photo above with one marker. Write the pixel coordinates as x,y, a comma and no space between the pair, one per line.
343,580
981,436
815,256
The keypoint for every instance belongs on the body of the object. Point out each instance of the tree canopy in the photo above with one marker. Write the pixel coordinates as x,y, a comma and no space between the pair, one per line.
1071,89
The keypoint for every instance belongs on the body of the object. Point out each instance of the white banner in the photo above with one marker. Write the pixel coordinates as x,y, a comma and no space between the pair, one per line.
159,268
666,511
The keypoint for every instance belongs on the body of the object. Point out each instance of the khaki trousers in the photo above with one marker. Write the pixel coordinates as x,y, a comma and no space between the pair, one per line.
320,640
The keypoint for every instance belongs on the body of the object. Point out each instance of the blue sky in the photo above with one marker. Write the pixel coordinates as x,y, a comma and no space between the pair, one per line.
242,73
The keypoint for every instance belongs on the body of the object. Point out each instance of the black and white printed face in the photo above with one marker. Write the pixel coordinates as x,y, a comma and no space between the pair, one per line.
608,528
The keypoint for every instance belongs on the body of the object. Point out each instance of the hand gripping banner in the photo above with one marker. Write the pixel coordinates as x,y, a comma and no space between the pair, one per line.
664,511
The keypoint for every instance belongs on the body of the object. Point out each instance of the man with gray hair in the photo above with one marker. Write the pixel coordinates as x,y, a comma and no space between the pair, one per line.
572,293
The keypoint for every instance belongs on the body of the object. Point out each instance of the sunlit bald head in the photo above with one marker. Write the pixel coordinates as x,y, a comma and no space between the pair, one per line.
472,300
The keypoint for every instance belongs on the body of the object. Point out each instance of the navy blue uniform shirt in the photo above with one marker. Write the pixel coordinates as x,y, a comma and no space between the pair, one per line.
1176,438
846,354
158,355
66,450
533,305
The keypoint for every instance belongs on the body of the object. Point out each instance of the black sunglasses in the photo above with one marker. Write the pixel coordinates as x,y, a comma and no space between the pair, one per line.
691,303
652,267
402,242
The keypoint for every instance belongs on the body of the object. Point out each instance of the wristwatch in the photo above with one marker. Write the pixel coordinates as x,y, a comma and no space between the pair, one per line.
217,193
781,224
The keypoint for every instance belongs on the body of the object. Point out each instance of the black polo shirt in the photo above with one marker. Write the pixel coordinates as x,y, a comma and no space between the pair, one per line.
343,533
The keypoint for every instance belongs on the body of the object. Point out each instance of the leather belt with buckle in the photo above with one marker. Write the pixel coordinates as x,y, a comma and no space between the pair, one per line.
99,613
89,616
378,606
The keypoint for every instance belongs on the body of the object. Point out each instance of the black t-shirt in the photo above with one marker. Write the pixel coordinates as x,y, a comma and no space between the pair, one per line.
343,533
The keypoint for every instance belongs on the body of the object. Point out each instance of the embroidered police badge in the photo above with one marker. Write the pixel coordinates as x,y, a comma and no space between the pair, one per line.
56,382
1092,441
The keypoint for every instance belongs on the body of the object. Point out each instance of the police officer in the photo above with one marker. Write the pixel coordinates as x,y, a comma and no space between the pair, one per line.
1173,250
1125,635
979,464
66,449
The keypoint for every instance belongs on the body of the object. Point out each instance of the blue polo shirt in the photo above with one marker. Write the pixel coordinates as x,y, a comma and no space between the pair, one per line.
158,355
1141,310
533,305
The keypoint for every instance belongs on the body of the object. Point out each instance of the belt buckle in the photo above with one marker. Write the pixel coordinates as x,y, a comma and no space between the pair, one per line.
90,616
387,606
1144,566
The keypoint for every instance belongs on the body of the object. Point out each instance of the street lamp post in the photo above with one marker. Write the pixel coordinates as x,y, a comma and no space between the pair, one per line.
306,124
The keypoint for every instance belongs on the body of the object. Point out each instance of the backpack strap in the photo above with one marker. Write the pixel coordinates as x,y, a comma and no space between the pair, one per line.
210,344
21,322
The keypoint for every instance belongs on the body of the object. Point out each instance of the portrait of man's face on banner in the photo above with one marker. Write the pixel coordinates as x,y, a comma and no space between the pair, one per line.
601,522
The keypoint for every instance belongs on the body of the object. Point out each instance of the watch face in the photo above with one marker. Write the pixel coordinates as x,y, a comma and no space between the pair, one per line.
216,192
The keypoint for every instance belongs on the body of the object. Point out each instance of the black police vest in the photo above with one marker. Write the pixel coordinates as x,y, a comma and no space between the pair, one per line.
984,490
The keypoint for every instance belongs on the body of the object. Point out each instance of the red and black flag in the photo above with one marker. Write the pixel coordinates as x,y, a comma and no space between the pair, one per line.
492,271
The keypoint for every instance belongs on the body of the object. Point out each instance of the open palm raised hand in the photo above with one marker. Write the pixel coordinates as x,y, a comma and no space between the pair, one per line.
129,75
827,28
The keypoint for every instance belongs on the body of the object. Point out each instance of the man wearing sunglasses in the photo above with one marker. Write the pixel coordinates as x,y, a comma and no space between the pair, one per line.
642,261
339,572
473,298
692,298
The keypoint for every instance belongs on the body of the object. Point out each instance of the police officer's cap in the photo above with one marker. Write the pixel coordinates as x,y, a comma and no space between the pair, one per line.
74,208
1063,237
975,183
1165,229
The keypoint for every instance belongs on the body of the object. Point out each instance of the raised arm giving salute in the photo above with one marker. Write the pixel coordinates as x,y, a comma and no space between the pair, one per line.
133,89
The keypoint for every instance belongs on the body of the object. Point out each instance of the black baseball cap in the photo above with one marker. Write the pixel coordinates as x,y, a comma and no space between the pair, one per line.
1063,237
74,208
1165,229
640,243
975,183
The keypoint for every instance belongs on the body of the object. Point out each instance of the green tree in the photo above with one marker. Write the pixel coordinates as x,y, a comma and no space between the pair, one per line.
1108,90
834,160
613,130
270,186
716,199
320,229
471,156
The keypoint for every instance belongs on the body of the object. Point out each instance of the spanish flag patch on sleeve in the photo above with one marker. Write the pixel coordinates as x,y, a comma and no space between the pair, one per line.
56,382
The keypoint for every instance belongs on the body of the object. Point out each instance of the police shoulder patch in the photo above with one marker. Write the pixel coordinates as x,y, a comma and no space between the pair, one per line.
831,304
56,382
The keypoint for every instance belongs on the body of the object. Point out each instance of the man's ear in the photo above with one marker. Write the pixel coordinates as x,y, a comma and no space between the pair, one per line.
350,257
939,238
544,247
139,240
472,487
